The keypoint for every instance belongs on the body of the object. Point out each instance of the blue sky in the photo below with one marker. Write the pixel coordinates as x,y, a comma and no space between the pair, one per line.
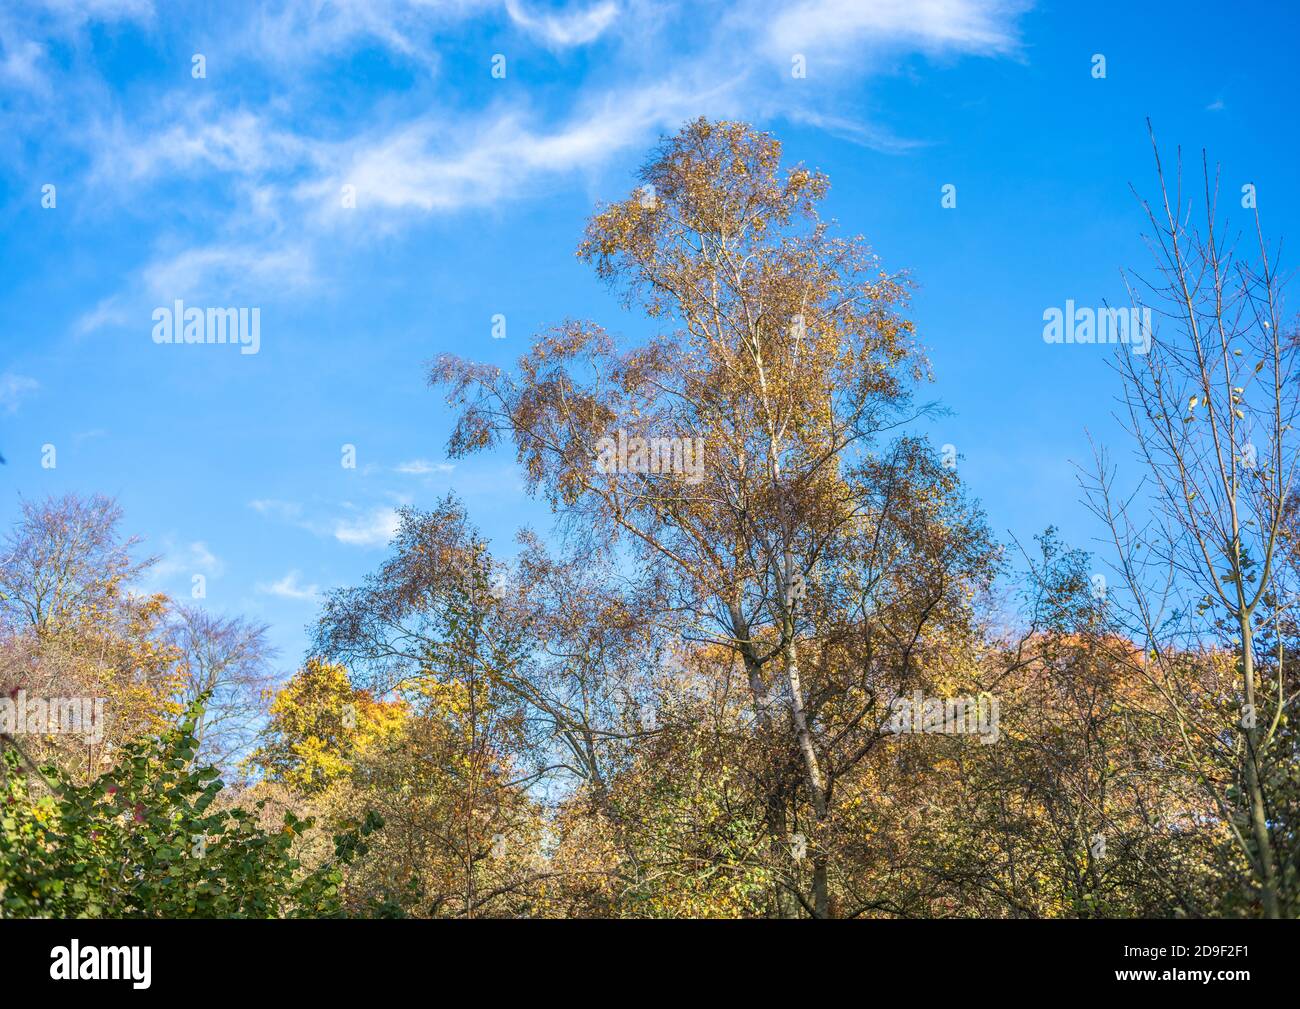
471,192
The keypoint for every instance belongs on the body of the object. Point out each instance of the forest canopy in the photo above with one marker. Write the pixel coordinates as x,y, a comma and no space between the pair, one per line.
770,661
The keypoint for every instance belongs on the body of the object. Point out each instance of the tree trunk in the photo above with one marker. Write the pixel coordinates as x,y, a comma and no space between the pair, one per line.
816,785
1254,788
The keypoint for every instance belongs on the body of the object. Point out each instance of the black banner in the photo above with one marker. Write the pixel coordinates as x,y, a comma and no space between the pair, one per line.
142,959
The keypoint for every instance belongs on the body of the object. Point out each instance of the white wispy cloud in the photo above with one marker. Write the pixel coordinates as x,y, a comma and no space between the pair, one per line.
290,587
227,268
831,28
567,28
435,166
422,467
110,311
275,174
186,559
373,529
294,32
195,134
358,527
79,12
21,63
14,388
222,273
288,510
291,33
27,28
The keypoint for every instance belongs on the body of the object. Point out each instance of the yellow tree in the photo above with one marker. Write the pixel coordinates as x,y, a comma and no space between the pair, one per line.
318,721
431,626
741,455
